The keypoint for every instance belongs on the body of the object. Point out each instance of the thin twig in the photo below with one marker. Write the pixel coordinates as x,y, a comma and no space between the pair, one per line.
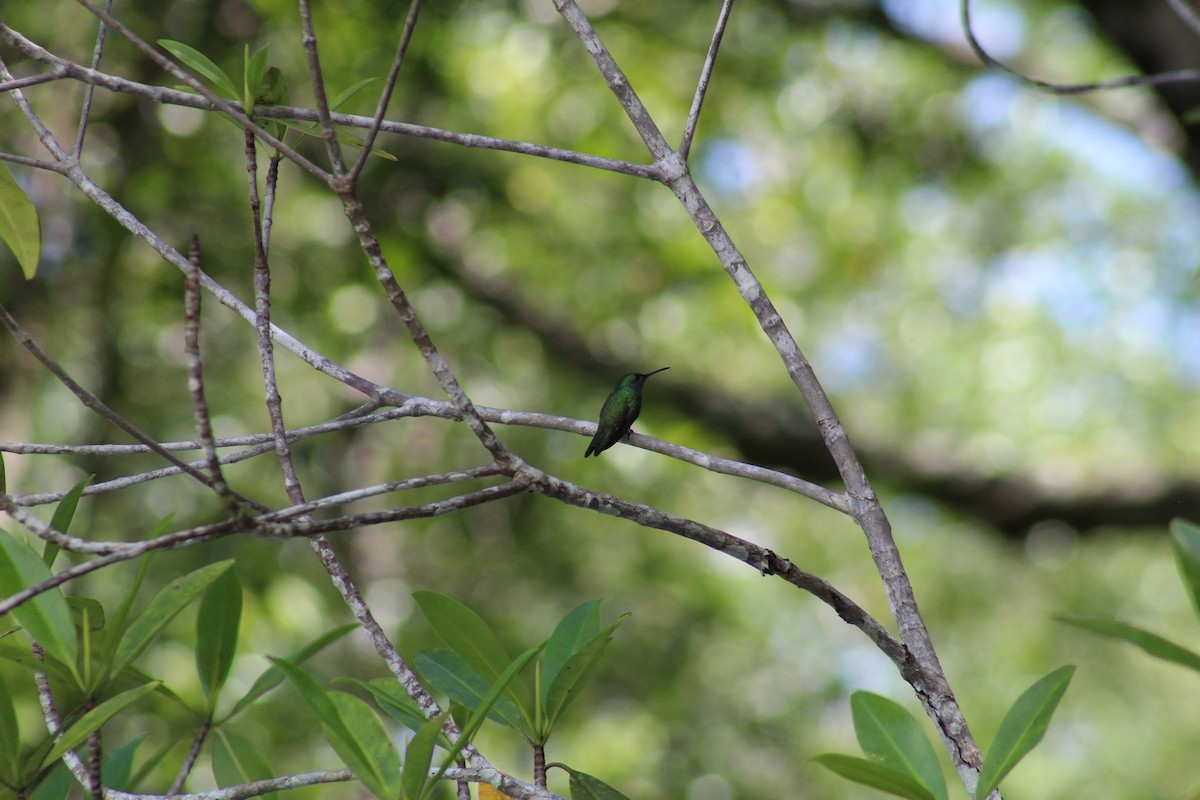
317,76
234,110
191,350
1187,14
710,61
1176,76
389,85
86,113
190,762
94,403
167,95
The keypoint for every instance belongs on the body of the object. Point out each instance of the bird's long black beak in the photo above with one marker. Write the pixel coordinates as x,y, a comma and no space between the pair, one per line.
648,374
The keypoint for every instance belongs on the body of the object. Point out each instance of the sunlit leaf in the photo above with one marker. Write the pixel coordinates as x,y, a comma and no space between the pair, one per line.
1022,728
890,736
46,617
201,63
20,228
875,775
392,700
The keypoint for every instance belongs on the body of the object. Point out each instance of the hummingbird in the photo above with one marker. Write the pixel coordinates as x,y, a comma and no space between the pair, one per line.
619,411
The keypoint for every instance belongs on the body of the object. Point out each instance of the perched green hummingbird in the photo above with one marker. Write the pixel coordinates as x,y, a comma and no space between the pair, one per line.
619,411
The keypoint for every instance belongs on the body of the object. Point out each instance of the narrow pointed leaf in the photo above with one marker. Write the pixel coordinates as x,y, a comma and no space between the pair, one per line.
574,674
349,92
162,609
46,617
450,673
392,700
273,676
480,714
464,632
56,786
120,620
237,760
1022,728
1185,538
198,62
589,787
22,655
354,732
1151,643
575,630
64,512
90,722
217,632
20,227
417,758
255,70
118,766
875,775
890,736
370,738
10,739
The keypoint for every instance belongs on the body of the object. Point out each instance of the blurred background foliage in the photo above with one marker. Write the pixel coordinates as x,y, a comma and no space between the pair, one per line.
997,286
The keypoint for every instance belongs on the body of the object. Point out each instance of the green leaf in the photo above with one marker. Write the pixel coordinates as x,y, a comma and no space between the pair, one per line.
489,700
20,229
873,774
118,626
217,632
236,760
10,739
63,514
1185,538
46,617
272,91
464,632
346,94
587,787
576,629
417,758
78,733
574,674
24,656
273,676
162,609
392,700
91,607
356,734
1022,728
252,76
449,672
118,767
202,64
1151,643
56,786
890,736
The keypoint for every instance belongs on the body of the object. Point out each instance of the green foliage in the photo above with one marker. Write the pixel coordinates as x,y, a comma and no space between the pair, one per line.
899,759
20,229
236,759
217,632
46,617
1022,728
1185,540
587,787
353,731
